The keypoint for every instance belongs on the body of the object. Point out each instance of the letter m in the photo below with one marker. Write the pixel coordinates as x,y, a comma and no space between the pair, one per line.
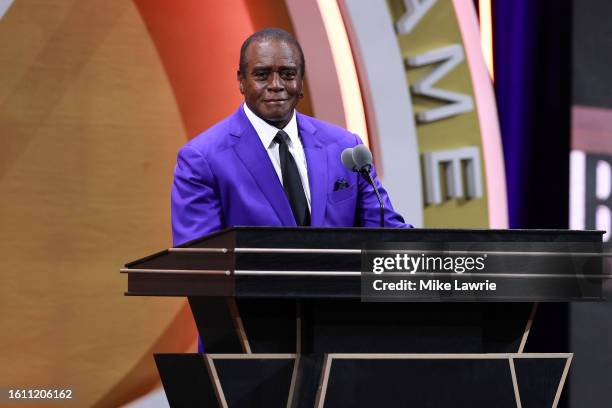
448,57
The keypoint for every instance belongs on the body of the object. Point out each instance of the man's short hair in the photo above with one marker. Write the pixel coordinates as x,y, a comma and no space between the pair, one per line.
270,34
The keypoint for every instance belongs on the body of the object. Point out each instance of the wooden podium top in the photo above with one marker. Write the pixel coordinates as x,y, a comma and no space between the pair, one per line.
279,262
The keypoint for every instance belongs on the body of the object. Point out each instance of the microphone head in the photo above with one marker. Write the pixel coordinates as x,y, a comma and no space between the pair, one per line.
347,159
362,156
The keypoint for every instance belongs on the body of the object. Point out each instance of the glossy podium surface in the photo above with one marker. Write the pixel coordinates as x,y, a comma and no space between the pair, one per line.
280,315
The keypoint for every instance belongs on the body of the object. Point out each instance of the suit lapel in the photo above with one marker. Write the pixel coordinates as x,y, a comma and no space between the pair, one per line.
255,158
316,160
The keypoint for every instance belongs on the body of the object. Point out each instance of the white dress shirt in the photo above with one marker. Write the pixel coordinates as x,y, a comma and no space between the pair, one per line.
267,132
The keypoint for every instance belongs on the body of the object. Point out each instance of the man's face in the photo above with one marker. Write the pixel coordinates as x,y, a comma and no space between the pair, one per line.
272,84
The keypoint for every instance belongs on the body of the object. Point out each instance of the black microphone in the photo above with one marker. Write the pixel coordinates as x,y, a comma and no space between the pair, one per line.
347,159
362,157
359,159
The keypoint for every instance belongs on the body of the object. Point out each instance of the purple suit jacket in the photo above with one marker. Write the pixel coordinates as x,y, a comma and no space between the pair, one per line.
224,178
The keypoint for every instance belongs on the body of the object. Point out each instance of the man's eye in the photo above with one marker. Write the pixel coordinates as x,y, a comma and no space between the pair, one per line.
288,74
260,75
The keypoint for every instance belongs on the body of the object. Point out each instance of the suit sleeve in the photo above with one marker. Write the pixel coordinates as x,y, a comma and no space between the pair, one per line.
195,204
368,208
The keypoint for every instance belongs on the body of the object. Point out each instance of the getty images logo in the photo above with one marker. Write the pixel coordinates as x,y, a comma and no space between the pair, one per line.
427,263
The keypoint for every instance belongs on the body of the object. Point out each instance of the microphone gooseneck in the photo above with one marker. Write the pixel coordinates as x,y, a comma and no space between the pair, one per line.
359,159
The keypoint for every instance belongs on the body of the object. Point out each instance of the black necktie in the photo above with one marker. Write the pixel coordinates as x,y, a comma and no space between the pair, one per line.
292,183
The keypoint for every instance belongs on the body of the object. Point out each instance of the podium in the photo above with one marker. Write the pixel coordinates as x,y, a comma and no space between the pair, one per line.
283,324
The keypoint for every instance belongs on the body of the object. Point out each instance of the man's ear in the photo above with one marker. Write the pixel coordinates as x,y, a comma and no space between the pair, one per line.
239,79
301,94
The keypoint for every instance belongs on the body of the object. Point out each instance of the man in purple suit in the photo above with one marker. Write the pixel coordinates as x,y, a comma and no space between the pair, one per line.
268,165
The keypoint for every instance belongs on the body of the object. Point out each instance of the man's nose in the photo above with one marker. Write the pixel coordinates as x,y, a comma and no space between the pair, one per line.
276,83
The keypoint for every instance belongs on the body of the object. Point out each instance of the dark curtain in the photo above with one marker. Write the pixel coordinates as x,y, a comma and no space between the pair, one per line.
532,52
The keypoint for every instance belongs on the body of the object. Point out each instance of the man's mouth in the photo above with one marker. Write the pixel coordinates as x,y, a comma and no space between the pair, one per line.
274,100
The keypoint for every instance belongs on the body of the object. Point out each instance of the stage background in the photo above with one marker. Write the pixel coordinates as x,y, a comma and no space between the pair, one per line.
96,98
